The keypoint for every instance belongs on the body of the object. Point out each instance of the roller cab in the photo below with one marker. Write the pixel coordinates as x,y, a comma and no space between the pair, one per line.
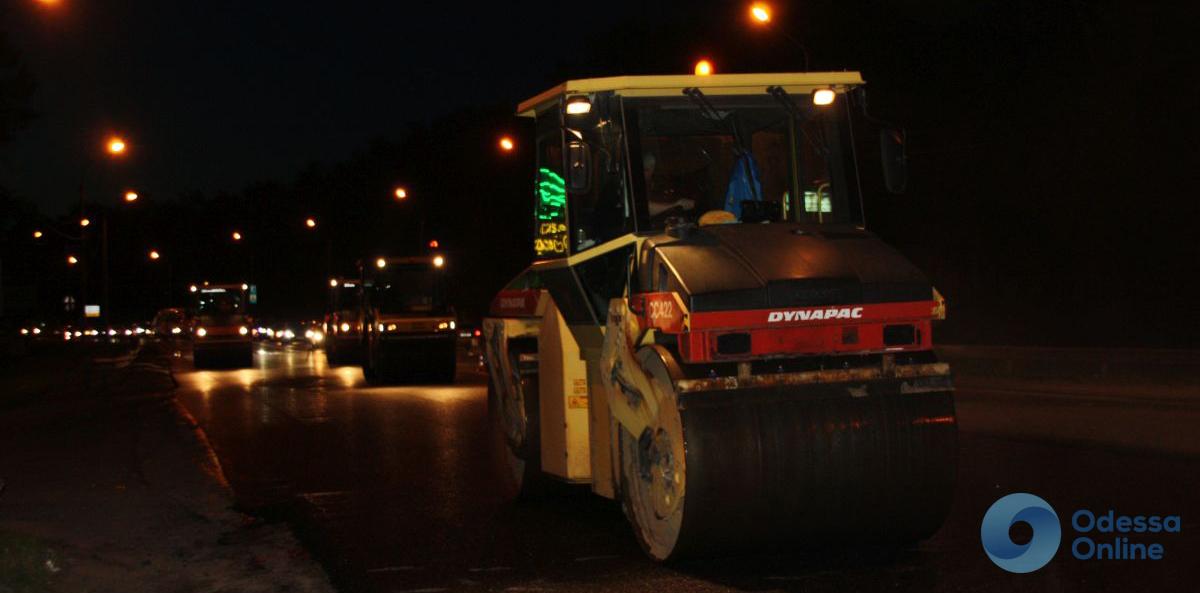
343,326
709,334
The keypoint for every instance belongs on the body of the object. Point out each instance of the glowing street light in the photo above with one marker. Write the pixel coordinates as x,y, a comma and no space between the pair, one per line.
193,288
333,283
84,222
236,236
507,144
439,261
760,12
116,146
704,68
401,193
310,222
72,260
131,196
154,254
381,263
37,234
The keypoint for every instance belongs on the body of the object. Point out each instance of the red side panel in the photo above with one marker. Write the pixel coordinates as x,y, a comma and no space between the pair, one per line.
807,330
515,303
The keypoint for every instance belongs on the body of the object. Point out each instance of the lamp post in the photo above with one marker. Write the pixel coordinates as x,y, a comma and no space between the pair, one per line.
761,15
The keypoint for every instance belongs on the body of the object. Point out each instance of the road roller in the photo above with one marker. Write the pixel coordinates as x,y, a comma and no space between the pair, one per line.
708,333
409,326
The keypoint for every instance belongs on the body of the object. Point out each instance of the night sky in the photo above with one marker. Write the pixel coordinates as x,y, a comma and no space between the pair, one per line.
1052,144
216,94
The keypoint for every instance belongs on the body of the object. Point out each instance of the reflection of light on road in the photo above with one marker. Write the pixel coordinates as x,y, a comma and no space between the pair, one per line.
349,376
245,377
205,382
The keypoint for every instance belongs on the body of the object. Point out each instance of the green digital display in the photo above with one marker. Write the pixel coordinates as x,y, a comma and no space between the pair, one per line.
551,213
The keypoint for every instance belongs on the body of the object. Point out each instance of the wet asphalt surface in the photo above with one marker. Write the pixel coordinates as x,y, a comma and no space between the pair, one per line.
392,489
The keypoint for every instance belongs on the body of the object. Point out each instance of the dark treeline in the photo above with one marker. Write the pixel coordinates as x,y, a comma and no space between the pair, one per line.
1052,147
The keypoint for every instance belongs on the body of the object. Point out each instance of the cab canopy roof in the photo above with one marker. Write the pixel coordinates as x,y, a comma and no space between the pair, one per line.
671,85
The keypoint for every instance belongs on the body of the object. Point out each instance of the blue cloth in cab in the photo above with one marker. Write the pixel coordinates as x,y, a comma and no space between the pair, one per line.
743,184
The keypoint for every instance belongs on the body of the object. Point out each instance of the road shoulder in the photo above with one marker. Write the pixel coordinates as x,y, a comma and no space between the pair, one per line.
109,486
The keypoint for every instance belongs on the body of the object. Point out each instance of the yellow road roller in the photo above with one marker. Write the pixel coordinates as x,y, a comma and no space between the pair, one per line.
708,333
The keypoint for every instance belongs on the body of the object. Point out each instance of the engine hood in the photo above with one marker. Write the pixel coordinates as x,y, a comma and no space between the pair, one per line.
759,266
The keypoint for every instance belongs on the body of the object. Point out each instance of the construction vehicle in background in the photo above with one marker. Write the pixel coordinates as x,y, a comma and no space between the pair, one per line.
222,331
409,327
708,333
343,328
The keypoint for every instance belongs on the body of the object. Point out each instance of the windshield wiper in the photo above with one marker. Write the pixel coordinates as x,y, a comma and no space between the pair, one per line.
785,100
739,146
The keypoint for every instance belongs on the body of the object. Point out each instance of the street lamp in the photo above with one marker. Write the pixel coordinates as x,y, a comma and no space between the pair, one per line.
84,222
131,196
236,236
507,144
704,68
154,254
116,146
381,263
37,234
310,222
72,260
760,15
760,12
401,193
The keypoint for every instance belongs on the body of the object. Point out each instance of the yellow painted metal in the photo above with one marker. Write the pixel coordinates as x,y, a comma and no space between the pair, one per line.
563,394
672,85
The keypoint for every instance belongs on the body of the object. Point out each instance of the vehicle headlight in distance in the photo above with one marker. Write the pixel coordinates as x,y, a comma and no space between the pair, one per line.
317,336
288,334
345,326
308,333
452,324
391,327
37,331
177,331
243,330
443,325
200,332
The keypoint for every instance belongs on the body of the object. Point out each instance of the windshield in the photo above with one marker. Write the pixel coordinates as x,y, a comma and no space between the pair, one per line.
345,296
220,302
745,155
412,290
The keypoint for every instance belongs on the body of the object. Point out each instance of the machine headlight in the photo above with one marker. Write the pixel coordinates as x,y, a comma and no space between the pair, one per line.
244,330
288,334
200,332
317,337
308,333
176,330
345,326
391,327
37,331
24,332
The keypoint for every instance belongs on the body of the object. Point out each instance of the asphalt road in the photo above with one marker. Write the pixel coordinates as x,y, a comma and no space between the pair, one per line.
392,489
